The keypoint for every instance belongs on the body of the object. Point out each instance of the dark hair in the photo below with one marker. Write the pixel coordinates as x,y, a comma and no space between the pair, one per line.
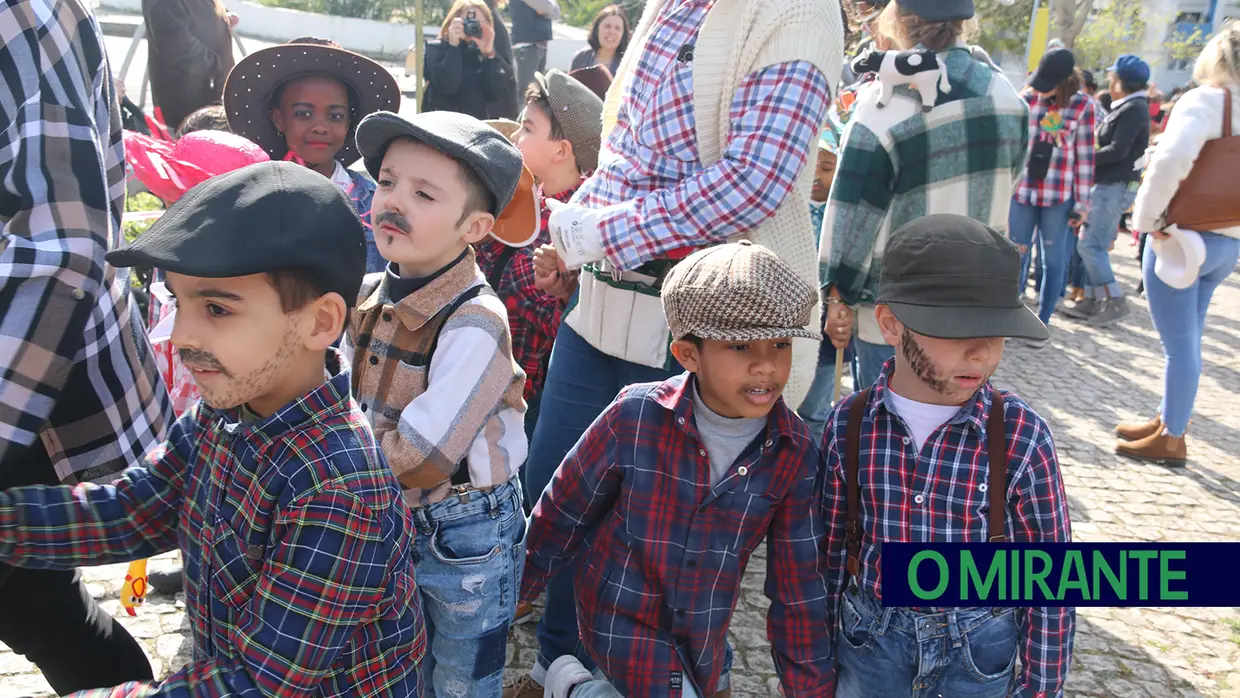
693,339
477,196
209,118
296,289
610,11
1105,100
917,31
1068,89
535,96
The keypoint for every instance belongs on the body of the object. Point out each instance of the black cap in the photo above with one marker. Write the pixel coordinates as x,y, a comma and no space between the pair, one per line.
1055,67
950,277
270,216
491,156
938,10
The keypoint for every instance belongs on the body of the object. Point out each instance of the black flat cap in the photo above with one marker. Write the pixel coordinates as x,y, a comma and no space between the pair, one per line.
938,10
1055,67
491,156
951,277
271,216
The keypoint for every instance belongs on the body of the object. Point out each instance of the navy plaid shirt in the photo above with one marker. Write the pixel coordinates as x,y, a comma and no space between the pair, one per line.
665,552
939,496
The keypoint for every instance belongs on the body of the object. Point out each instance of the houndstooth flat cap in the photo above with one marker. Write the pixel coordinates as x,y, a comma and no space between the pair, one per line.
738,292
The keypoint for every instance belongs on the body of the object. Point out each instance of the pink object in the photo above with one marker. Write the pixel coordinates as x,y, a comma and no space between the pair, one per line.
171,169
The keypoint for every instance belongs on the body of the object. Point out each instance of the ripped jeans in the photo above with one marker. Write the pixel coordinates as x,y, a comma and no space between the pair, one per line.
469,558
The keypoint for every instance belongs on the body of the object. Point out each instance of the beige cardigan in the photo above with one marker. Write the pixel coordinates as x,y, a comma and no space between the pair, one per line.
738,38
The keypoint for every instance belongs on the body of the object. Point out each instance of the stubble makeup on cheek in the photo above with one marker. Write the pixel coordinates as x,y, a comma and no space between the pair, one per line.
922,367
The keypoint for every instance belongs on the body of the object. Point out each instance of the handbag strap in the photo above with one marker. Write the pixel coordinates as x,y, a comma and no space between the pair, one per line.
1226,113
996,448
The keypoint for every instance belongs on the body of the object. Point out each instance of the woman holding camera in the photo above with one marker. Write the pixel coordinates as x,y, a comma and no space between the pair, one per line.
462,69
609,38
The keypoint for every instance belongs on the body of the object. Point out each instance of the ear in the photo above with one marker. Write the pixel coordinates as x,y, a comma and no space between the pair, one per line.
687,354
564,153
277,119
327,315
477,227
891,328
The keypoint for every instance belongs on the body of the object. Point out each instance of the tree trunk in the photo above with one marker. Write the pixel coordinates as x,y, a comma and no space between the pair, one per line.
1068,18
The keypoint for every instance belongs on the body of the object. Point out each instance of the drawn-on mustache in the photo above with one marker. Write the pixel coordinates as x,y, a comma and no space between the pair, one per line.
201,359
395,219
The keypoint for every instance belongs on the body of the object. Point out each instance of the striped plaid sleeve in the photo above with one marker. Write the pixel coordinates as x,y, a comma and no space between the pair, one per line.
1086,143
135,517
1039,515
860,197
319,581
798,624
470,373
54,205
774,118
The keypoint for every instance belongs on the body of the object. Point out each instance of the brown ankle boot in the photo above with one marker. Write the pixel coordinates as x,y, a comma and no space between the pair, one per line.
1156,448
1136,432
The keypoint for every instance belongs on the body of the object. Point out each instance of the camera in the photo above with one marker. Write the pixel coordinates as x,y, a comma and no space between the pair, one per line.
472,26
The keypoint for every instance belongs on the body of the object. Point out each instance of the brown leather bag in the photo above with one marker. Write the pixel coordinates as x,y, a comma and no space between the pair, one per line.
1206,199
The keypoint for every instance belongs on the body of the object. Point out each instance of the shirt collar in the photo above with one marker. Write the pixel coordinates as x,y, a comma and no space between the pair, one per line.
1124,100
676,396
341,178
415,309
973,413
332,397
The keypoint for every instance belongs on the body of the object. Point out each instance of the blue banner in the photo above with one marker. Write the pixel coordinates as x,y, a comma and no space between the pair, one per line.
1061,574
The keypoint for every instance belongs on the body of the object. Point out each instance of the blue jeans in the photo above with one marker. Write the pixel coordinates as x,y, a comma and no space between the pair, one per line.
602,688
817,404
468,562
1052,225
870,361
1076,268
1107,204
581,382
1180,318
895,652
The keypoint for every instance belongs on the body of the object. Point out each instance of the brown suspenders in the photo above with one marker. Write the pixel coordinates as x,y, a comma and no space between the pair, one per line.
996,452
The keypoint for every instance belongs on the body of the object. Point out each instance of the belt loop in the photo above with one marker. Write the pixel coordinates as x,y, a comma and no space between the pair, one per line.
420,518
953,628
492,503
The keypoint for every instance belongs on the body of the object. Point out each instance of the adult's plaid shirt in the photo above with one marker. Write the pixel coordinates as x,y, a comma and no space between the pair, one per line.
533,316
298,549
75,366
940,496
898,163
1071,131
666,552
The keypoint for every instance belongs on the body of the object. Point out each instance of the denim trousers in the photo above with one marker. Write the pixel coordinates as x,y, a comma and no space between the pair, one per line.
1051,223
870,361
1180,318
529,58
468,558
817,404
900,653
602,688
1107,205
581,382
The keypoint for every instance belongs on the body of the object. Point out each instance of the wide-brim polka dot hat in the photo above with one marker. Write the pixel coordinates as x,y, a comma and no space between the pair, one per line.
254,81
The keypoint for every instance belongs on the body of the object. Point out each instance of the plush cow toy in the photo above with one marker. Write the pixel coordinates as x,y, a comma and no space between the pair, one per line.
920,69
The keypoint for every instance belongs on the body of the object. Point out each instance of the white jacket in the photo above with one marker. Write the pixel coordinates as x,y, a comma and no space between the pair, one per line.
1196,119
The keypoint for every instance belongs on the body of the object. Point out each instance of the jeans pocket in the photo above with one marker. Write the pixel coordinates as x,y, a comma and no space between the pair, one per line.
474,540
856,627
990,648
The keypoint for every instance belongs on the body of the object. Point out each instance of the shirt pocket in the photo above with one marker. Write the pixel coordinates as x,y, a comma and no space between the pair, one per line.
742,515
234,566
625,590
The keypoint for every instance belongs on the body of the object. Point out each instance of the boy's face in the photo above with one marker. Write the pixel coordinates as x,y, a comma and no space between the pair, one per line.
939,371
313,115
542,154
418,207
738,379
242,348
824,175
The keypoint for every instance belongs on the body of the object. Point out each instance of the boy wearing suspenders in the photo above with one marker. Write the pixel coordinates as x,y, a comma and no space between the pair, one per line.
933,453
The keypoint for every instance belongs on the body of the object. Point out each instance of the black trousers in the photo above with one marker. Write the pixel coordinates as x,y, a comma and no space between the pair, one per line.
50,618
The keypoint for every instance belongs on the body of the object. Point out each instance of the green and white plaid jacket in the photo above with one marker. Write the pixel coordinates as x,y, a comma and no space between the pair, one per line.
899,163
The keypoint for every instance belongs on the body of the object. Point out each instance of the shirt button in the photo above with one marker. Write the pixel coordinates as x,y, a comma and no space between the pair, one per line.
906,440
919,499
742,471
680,612
770,442
79,293
692,562
364,407
982,487
681,421
702,452
374,361
387,317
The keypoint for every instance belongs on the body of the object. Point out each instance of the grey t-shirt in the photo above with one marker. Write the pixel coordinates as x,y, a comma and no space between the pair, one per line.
724,438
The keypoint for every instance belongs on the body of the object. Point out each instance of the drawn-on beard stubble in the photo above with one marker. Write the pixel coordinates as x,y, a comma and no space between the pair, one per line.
920,363
238,390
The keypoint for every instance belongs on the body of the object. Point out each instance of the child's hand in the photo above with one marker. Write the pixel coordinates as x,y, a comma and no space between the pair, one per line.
550,275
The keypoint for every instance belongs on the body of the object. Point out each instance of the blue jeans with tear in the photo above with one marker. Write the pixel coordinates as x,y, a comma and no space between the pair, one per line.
1107,205
468,560
1051,223
899,653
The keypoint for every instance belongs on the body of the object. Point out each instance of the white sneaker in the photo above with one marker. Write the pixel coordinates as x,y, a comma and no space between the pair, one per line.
563,674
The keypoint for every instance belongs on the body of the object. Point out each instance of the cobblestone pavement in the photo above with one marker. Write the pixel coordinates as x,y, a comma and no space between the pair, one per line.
1083,384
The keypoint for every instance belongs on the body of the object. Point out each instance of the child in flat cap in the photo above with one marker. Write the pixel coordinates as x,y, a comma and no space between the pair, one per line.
938,454
677,483
434,373
299,578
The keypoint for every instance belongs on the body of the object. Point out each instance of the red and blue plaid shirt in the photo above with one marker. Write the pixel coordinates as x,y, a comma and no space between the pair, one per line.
665,552
1071,172
297,549
533,316
939,496
650,175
